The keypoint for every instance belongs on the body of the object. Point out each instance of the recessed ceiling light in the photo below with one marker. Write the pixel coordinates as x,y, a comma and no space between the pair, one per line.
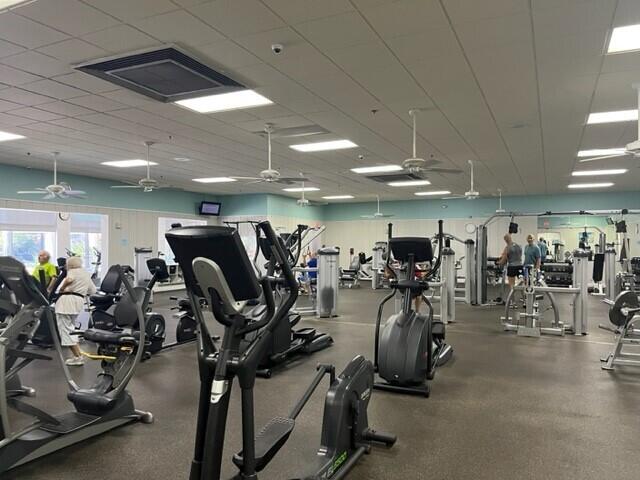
6,136
624,39
127,163
590,185
435,192
323,146
182,159
611,117
301,189
214,180
4,4
377,169
596,152
338,197
409,183
589,173
224,102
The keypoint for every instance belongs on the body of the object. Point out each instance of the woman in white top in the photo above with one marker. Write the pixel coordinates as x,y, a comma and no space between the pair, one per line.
73,291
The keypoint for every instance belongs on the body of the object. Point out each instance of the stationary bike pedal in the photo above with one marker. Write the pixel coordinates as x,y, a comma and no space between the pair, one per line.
268,441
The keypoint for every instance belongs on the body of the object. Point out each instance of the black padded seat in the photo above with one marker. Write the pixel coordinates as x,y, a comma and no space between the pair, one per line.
438,329
100,300
111,337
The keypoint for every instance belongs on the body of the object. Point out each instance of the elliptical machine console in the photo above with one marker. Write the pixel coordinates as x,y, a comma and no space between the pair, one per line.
216,267
410,345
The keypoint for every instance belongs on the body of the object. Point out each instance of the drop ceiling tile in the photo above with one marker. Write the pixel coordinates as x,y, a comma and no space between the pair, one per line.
69,16
12,76
179,27
37,63
627,13
359,57
6,106
462,10
236,18
489,33
29,34
6,119
96,102
64,109
35,114
53,89
86,82
418,47
8,48
405,17
574,18
339,31
224,55
23,97
127,10
73,51
127,97
296,11
120,39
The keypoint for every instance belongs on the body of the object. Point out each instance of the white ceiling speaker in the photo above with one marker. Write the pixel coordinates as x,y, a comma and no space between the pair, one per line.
631,149
56,190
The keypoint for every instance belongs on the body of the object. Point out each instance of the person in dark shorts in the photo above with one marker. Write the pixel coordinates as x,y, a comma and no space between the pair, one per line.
512,258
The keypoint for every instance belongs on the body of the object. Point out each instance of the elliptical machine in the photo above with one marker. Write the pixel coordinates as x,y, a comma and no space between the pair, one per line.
103,407
410,346
215,266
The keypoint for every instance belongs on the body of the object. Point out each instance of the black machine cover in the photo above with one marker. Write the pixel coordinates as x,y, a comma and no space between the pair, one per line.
420,247
224,247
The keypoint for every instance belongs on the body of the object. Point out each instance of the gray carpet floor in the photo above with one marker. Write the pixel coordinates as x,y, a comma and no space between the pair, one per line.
504,408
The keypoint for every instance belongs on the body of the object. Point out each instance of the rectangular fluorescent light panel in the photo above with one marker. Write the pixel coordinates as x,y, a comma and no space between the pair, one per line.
437,192
590,185
128,163
214,180
338,197
224,102
409,183
611,117
323,146
6,136
596,152
301,189
377,169
595,173
624,39
10,3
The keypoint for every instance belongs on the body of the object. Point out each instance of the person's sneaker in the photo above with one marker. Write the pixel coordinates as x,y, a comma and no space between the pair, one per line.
75,361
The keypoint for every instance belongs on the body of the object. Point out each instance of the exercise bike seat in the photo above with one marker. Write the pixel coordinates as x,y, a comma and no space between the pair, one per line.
103,301
268,441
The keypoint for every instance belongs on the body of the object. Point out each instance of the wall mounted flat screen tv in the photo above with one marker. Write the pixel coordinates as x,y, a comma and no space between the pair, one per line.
210,208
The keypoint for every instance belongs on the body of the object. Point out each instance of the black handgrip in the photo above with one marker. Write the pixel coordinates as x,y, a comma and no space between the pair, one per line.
436,267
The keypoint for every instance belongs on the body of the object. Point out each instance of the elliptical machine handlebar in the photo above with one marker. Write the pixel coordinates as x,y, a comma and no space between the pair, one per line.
436,267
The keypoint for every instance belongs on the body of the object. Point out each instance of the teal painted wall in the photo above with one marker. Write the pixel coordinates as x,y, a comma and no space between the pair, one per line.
482,207
287,207
244,205
99,193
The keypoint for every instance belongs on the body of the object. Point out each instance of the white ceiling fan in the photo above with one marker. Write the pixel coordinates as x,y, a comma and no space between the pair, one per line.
420,165
378,213
56,190
270,175
499,209
631,149
472,194
305,202
147,184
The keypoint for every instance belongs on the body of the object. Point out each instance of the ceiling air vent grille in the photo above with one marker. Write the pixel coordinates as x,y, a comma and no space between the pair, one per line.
396,177
166,74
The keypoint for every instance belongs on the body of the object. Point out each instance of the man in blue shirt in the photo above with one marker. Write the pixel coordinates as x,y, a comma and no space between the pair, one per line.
313,263
532,253
544,249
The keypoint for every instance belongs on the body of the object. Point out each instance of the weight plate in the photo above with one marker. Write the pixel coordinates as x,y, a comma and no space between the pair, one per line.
623,300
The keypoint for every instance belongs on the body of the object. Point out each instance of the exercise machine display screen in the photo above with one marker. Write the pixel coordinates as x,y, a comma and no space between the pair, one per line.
210,208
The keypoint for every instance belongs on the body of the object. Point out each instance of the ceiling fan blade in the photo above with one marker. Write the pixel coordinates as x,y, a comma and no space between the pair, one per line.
443,170
75,192
126,186
453,197
431,162
292,179
31,192
49,196
592,159
246,178
367,216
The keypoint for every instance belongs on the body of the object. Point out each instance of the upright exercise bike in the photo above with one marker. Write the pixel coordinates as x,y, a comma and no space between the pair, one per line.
409,346
215,266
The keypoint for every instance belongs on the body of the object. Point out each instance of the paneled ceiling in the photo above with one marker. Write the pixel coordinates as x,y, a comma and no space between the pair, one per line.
508,83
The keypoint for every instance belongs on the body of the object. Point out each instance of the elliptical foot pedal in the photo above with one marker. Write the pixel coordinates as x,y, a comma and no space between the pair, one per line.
268,441
69,422
305,334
